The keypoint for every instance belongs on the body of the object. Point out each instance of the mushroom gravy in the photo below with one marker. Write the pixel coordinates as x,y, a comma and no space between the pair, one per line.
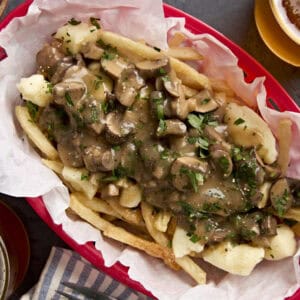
135,120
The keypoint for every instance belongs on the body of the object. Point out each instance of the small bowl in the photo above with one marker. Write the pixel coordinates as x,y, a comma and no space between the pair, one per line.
274,36
284,22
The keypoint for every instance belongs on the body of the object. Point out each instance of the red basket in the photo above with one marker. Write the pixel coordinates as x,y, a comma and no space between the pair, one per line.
252,70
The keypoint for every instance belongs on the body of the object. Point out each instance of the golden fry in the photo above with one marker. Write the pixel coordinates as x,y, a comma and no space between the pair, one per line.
34,133
284,144
176,39
121,235
97,205
184,53
132,216
54,165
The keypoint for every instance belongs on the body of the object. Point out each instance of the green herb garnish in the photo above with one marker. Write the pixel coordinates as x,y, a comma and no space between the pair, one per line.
84,176
239,121
33,110
68,99
195,178
74,22
94,21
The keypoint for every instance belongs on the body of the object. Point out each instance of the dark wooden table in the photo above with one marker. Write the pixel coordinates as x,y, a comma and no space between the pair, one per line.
233,18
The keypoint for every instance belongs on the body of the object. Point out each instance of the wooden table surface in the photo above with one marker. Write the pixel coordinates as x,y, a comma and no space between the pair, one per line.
235,19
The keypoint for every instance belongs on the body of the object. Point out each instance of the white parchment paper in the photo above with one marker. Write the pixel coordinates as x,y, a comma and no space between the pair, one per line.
22,174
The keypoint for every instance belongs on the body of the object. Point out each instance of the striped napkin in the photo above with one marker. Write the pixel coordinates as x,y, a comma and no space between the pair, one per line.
67,266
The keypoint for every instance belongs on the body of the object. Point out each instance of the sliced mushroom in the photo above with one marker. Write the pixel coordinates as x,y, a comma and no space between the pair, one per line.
61,69
202,102
128,85
92,51
98,158
184,169
221,158
117,130
214,136
69,151
110,190
180,144
281,196
248,225
49,57
268,226
172,127
114,66
159,83
68,93
189,92
179,107
172,86
152,68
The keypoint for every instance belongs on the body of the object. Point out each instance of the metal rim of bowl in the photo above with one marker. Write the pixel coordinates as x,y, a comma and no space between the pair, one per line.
4,270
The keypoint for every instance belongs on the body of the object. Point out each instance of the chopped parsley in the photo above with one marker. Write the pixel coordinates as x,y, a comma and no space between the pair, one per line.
195,121
94,21
97,83
33,110
205,101
49,88
191,212
162,71
223,163
281,203
195,238
85,176
201,142
116,147
74,22
211,207
94,114
199,121
195,178
159,107
68,99
162,127
116,174
239,121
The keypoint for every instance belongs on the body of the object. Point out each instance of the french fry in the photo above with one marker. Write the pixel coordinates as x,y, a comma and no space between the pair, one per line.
186,263
161,220
97,205
77,179
157,235
221,86
124,44
132,216
34,133
176,39
284,144
54,165
121,235
187,74
190,267
184,53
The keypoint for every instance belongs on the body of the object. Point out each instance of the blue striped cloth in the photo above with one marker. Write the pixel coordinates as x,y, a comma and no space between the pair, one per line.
67,266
